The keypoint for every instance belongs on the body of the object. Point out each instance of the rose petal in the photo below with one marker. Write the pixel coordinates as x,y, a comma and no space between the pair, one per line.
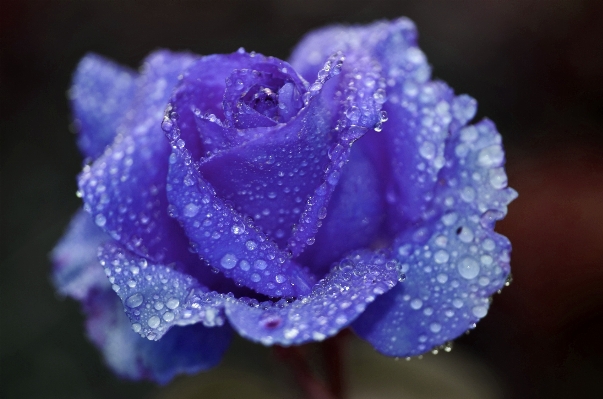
124,188
100,92
244,110
186,350
201,92
333,304
224,238
157,297
76,270
454,262
409,151
359,111
271,177
352,218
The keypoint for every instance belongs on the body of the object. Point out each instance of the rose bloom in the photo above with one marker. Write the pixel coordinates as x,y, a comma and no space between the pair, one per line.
283,201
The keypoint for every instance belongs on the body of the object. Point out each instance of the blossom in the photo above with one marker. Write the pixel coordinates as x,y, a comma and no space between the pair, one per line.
281,201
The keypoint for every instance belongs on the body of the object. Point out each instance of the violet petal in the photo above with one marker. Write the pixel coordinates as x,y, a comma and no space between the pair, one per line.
186,350
453,263
100,92
332,305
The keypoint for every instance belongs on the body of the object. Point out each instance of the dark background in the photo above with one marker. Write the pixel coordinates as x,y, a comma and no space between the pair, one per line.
535,67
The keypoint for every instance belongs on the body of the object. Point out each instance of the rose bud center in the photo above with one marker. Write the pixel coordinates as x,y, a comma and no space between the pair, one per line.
262,96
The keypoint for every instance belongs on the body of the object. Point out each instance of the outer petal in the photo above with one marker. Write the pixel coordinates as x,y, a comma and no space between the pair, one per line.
409,151
183,350
101,91
224,238
355,214
76,270
79,274
124,189
334,302
454,262
157,297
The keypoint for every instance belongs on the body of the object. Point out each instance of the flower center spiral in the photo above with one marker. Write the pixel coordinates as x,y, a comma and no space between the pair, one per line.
262,96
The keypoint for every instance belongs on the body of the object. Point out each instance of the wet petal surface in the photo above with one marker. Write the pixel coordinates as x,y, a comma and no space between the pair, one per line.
124,189
157,297
100,92
333,303
76,270
455,261
224,238
186,350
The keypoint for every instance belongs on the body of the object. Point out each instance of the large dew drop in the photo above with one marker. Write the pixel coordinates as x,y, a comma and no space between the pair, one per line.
135,300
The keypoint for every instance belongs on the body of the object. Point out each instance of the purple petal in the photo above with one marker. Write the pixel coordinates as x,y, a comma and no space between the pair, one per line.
158,297
333,304
201,92
359,111
454,262
76,270
222,237
124,189
355,214
271,177
252,97
187,350
409,151
100,92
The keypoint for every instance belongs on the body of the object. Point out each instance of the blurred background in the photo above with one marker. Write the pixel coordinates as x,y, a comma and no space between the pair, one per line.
536,69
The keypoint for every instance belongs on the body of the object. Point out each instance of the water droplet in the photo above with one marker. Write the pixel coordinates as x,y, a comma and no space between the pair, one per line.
491,156
280,278
488,244
427,150
416,304
228,261
238,229
100,220
135,300
449,218
468,194
136,327
255,277
172,303
244,265
435,327
465,235
442,278
479,311
158,305
291,333
191,210
260,264
468,268
498,178
441,256
153,322
168,316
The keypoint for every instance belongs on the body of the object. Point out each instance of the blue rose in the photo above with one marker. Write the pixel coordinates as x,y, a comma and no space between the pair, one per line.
281,201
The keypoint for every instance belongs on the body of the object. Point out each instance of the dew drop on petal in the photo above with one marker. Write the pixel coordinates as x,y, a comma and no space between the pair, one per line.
416,304
153,322
168,316
468,268
480,311
190,210
135,300
172,303
228,261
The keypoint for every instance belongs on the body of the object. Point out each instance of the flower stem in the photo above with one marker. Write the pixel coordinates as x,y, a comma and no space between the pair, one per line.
299,361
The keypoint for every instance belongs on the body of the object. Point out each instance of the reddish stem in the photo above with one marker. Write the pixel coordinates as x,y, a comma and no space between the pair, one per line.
313,386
